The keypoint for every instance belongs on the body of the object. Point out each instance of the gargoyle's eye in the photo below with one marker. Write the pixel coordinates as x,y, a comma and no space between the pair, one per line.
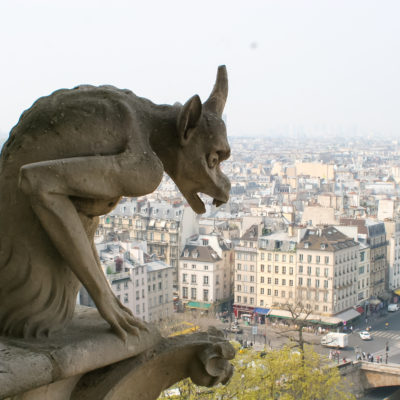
212,160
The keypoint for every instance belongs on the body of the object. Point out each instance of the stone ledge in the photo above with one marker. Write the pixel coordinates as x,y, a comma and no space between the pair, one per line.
86,344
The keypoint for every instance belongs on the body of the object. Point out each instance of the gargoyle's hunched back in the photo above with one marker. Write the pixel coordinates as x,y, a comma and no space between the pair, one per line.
69,159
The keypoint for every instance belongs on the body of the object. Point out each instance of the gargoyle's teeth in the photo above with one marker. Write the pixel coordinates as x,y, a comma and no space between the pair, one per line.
217,203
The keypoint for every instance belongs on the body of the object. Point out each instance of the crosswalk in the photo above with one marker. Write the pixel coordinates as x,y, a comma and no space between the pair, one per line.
389,335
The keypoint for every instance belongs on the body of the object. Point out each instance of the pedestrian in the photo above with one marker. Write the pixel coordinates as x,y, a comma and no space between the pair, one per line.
364,356
372,358
330,354
378,359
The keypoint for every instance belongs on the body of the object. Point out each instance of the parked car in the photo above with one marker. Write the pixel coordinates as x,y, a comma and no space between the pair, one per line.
393,307
365,335
235,329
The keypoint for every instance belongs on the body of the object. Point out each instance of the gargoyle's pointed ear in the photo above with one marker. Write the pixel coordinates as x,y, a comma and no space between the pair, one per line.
216,102
188,118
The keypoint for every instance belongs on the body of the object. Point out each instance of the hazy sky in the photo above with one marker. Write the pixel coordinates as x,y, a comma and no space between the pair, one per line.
302,63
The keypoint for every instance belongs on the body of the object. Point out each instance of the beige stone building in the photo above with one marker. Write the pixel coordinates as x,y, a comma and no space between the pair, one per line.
245,299
276,271
327,270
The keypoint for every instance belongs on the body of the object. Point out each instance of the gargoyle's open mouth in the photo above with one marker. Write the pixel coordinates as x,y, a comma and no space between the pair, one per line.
197,204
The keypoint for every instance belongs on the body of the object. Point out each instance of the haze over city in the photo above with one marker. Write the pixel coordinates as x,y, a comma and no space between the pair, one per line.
295,67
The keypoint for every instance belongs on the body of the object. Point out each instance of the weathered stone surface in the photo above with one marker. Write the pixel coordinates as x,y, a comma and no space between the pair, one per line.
86,344
69,159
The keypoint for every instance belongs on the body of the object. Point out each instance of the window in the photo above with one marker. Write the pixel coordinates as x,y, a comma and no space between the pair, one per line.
325,284
317,272
137,308
309,259
185,266
251,289
325,308
269,292
193,280
239,267
317,283
308,270
251,268
326,272
269,281
137,295
239,299
269,268
262,279
318,259
251,300
290,270
283,282
184,278
239,277
276,281
362,255
275,293
283,270
118,286
284,257
262,256
193,293
160,299
262,291
290,295
326,297
126,298
326,260
276,269
205,295
301,257
262,267
252,278
283,293
206,267
291,259
205,280
300,281
159,285
300,269
308,282
126,284
276,257
193,266
269,256
261,302
291,282
239,288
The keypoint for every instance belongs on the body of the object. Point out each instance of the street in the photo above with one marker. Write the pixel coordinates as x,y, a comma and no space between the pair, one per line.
382,335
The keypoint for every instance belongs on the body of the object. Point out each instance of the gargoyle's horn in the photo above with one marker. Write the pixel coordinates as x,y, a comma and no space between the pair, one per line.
217,99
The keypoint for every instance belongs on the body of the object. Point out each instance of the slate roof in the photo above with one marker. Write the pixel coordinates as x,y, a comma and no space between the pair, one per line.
204,254
329,239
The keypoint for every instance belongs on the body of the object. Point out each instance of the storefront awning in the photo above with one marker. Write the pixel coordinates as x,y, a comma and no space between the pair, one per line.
263,311
348,315
375,302
397,291
197,304
360,310
312,318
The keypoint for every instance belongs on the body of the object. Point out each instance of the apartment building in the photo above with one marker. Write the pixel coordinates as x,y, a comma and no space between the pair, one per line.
375,234
327,271
245,299
363,273
276,271
203,278
392,228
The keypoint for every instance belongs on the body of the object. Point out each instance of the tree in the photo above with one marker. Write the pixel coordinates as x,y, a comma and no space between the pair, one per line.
284,374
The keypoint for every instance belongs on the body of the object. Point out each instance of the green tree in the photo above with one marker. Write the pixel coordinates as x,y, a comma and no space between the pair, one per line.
285,374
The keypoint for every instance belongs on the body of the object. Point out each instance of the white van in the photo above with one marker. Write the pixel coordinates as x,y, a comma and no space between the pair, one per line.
393,307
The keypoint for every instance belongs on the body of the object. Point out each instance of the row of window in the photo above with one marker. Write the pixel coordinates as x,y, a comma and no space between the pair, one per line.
193,279
193,293
317,259
194,266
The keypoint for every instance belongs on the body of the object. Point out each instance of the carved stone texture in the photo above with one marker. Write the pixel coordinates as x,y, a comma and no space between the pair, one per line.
69,159
201,356
53,364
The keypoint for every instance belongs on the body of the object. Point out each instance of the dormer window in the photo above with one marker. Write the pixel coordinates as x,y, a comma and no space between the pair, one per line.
323,246
306,245
195,254
186,253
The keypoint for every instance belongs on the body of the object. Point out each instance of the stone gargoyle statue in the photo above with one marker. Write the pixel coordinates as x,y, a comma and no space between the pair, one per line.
70,159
